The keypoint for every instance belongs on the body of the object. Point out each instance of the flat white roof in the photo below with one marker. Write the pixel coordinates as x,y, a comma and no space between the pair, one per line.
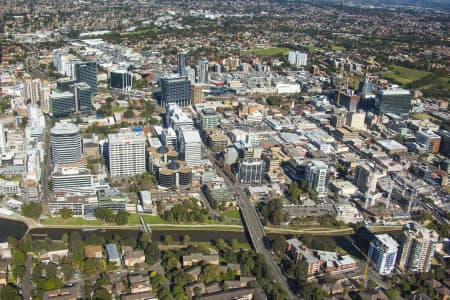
391,145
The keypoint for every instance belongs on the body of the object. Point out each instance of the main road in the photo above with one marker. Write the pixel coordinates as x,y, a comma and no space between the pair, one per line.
255,229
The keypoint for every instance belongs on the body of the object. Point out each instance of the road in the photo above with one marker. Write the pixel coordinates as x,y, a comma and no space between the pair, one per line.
27,283
255,229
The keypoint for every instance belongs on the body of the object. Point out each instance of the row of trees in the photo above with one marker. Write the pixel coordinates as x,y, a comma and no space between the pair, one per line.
273,212
107,215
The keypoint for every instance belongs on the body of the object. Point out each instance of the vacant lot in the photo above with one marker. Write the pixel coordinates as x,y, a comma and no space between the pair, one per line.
269,51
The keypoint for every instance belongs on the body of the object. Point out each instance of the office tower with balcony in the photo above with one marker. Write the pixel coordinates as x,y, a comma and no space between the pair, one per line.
65,143
175,90
62,104
126,154
83,97
394,101
202,70
383,253
182,63
87,72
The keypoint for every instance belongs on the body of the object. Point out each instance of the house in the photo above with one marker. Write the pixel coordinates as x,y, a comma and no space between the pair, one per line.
213,288
65,293
194,271
189,260
113,254
93,251
242,294
54,256
139,284
195,288
139,296
241,283
133,257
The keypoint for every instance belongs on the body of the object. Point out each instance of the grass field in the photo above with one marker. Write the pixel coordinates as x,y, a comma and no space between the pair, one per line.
118,109
337,48
424,116
269,51
402,75
234,214
72,222
133,219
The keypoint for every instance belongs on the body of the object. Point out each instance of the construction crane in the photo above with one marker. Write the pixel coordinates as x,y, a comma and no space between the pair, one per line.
366,266
341,75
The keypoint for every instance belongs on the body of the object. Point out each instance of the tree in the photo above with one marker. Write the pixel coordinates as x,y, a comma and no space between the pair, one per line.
50,270
392,293
210,273
128,114
52,283
10,292
178,292
105,214
18,271
66,213
32,210
294,191
77,250
121,217
186,239
67,270
152,253
168,239
279,244
92,266
274,100
18,258
234,244
101,294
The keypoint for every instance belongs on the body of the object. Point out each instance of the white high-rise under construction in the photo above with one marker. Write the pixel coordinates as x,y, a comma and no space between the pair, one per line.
126,154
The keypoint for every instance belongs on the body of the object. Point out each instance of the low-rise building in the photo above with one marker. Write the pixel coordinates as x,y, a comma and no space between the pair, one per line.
189,260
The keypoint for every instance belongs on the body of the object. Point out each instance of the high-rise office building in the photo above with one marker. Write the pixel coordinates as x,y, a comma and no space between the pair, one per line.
298,58
395,101
65,143
126,151
202,70
417,245
175,90
430,140
83,97
2,139
62,104
208,118
383,253
87,72
182,63
365,86
120,79
190,146
251,170
444,147
190,74
316,175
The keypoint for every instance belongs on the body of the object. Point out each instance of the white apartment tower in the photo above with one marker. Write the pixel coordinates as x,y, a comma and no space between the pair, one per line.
297,58
126,154
418,245
316,176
